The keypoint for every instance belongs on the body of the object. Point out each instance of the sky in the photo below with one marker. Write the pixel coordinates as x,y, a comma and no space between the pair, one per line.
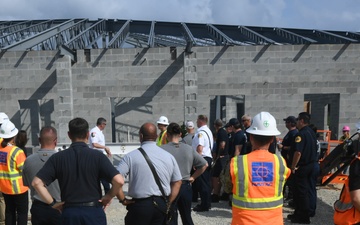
341,15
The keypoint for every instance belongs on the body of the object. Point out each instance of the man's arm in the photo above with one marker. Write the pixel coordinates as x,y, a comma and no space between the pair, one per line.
355,198
116,184
175,187
107,149
237,149
41,189
199,149
197,173
296,158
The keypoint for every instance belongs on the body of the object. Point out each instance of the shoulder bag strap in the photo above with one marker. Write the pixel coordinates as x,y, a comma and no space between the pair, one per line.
208,138
156,176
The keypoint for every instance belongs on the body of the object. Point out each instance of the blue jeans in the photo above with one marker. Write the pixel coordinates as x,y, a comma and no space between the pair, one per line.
183,204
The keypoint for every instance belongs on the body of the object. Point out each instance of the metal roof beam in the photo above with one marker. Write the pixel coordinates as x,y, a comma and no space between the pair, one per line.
14,27
120,36
151,35
256,37
220,37
333,37
294,38
353,35
43,37
188,35
21,34
87,36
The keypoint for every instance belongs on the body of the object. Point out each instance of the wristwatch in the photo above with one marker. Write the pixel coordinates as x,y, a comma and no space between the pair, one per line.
53,203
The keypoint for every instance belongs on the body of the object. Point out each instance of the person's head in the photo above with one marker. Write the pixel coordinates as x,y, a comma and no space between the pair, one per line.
8,132
303,120
262,130
234,124
48,137
21,139
147,132
201,120
173,130
190,127
246,121
346,131
101,123
78,130
162,123
218,124
290,122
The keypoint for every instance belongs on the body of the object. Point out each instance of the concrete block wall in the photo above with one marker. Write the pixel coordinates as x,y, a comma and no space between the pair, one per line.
132,86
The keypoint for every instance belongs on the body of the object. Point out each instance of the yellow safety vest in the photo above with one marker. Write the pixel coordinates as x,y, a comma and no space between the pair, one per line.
12,161
258,182
161,140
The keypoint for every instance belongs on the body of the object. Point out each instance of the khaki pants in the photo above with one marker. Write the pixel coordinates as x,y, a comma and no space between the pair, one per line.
2,209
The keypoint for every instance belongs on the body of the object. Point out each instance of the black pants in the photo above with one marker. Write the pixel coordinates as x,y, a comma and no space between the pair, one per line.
144,211
183,204
16,210
43,214
302,188
204,185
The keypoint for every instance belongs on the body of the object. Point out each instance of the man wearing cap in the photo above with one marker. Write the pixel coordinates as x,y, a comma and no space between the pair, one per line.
189,125
258,177
202,144
287,148
221,156
11,165
302,166
162,124
238,138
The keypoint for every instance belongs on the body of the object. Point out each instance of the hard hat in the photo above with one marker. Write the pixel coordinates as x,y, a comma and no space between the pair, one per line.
3,117
263,124
163,120
346,128
8,130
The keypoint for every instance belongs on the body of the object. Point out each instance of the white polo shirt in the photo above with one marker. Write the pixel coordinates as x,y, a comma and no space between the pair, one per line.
203,137
97,136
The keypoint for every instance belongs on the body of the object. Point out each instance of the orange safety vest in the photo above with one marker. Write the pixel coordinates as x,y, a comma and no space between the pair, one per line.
345,213
258,179
162,139
12,161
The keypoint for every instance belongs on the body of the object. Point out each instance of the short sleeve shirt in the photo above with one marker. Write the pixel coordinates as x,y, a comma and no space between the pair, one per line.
97,136
204,138
240,139
305,143
220,137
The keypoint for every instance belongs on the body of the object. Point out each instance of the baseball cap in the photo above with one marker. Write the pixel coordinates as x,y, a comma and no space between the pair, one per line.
189,124
233,121
290,119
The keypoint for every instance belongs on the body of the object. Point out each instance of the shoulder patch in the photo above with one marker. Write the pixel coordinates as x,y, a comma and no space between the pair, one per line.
93,134
298,139
199,135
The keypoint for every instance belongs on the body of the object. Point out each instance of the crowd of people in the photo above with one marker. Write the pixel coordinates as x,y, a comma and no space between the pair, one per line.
241,162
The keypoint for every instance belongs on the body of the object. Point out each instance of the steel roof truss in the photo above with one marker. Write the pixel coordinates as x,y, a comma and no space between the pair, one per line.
333,37
120,36
256,37
151,35
219,36
294,38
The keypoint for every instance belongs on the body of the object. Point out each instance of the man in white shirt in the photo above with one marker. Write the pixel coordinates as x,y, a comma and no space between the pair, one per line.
97,141
202,144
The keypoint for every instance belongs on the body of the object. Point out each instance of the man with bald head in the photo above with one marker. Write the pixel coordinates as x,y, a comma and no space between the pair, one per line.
147,205
42,213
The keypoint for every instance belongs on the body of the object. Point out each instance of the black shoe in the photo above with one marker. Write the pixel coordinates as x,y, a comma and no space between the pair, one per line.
198,208
215,198
300,220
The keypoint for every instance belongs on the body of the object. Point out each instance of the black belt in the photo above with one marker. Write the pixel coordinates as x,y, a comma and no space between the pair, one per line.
83,204
185,182
38,202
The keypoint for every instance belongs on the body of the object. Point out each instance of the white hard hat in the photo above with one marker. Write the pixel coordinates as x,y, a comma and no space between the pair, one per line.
8,130
3,117
263,124
163,120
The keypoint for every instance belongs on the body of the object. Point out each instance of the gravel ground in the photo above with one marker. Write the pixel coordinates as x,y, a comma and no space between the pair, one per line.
220,213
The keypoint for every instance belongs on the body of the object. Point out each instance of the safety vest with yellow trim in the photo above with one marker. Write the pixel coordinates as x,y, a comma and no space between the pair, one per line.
345,213
12,161
258,180
162,139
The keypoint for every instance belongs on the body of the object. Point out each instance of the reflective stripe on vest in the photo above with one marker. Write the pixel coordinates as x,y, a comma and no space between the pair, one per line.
242,199
10,172
160,140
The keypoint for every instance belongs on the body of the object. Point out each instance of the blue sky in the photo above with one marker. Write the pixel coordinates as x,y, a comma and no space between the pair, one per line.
310,14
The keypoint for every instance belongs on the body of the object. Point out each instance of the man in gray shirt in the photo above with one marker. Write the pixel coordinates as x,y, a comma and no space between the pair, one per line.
187,158
190,133
147,205
42,213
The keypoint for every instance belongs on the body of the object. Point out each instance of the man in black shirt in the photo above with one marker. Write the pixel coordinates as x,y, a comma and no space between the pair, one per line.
78,170
302,168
